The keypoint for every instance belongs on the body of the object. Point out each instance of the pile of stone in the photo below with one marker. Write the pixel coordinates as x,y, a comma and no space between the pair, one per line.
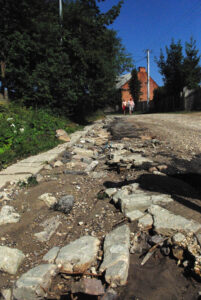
121,157
80,257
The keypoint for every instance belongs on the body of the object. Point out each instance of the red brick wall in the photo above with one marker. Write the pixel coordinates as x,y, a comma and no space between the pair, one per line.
142,76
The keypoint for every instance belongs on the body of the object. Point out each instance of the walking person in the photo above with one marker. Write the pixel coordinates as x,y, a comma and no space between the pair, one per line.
131,106
124,106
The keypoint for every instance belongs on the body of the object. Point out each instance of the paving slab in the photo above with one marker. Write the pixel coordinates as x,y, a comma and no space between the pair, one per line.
165,222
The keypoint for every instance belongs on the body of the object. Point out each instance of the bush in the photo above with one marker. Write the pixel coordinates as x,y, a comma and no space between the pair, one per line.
26,132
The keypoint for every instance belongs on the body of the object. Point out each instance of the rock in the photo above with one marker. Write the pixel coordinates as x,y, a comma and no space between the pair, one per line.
178,252
89,286
134,202
57,164
83,152
167,223
152,169
116,256
139,243
119,195
8,215
109,295
72,172
66,157
39,177
7,294
51,255
92,166
34,284
145,137
110,192
178,238
79,255
62,135
97,175
49,200
10,259
50,226
47,167
134,215
65,204
198,235
86,160
162,168
161,199
146,221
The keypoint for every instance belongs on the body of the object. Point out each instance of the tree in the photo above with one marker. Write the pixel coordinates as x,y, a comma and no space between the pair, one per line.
76,73
135,86
192,70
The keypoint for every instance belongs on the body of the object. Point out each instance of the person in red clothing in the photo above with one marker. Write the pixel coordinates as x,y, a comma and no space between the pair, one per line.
124,106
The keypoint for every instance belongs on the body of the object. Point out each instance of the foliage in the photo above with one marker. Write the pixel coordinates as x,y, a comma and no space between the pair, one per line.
178,71
192,70
135,86
70,65
31,181
26,132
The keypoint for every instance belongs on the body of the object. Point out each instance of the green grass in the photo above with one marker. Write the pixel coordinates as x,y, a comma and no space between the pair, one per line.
25,132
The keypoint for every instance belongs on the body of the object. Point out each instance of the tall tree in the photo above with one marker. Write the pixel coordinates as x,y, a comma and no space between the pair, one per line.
192,69
135,85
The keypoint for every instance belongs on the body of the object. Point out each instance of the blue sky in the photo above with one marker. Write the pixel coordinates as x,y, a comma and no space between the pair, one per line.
151,24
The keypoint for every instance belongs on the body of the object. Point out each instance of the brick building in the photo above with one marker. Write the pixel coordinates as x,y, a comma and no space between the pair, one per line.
123,84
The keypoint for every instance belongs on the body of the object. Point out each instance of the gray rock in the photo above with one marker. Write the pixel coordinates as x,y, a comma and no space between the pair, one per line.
167,223
49,200
34,284
161,199
86,160
135,201
72,172
51,255
146,221
134,215
116,256
8,215
50,226
10,259
119,195
89,286
117,274
92,166
65,204
97,175
7,294
79,255
110,192
83,152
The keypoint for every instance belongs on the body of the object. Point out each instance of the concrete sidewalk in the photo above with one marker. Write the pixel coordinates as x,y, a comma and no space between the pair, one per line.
33,164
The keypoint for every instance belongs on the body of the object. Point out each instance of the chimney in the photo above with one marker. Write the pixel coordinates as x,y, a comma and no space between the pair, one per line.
142,69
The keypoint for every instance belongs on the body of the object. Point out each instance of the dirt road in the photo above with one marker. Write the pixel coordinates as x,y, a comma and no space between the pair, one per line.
172,142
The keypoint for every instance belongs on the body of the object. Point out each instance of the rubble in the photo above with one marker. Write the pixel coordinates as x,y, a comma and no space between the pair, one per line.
10,259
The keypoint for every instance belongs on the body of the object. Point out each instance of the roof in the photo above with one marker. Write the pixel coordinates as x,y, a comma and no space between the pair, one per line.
121,80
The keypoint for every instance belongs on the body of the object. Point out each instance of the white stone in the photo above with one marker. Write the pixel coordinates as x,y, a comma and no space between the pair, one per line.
57,164
146,221
161,199
178,238
10,259
49,200
110,192
83,152
34,284
135,201
116,256
8,215
119,195
51,255
50,226
91,166
7,294
134,215
79,255
166,222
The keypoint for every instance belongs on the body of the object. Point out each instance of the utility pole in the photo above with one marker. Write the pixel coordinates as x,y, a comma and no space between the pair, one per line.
60,10
148,79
